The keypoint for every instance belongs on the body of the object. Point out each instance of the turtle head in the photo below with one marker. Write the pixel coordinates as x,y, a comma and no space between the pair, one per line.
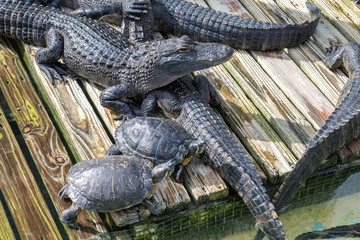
162,171
196,148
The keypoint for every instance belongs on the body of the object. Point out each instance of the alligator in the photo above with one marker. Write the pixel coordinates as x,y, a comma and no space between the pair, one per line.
342,126
98,53
347,231
180,17
187,102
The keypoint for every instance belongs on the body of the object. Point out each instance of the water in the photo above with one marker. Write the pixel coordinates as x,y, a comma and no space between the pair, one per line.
342,208
329,199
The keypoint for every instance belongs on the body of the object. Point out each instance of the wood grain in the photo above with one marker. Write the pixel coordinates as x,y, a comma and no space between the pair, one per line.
23,197
40,136
5,230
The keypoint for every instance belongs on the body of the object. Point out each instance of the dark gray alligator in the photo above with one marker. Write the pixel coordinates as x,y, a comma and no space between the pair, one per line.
180,17
342,126
186,102
97,52
348,231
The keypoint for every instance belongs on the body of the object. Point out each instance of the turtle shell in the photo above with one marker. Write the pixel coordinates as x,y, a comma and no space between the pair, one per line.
110,183
156,139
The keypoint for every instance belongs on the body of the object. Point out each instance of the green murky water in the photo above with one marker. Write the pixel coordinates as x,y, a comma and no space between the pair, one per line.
343,207
331,198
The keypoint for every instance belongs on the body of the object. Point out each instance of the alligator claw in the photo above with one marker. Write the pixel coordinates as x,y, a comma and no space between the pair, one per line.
53,72
133,9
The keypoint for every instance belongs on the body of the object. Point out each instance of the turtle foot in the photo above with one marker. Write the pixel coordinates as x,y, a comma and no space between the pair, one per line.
154,207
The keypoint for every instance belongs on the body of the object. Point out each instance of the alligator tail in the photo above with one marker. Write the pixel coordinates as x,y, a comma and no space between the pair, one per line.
227,157
341,127
349,231
204,24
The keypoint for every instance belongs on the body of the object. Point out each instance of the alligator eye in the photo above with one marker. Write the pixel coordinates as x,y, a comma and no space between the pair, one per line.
183,49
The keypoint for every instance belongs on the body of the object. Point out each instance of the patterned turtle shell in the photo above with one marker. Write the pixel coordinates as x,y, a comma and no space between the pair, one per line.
156,139
110,183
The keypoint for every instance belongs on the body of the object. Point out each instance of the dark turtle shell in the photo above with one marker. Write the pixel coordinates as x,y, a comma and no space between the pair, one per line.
110,183
156,139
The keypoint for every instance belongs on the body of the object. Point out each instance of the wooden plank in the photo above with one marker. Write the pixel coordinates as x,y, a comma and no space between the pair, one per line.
5,229
312,53
332,10
260,88
259,147
244,118
41,137
23,197
203,183
325,79
285,73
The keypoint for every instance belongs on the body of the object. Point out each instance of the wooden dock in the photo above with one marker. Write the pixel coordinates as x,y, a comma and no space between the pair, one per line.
272,101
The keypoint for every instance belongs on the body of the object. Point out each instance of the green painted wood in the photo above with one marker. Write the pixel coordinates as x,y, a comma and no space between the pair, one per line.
23,197
41,137
5,230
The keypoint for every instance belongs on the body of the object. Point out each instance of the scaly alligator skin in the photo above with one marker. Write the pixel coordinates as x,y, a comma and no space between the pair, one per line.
223,152
348,231
98,53
342,126
180,17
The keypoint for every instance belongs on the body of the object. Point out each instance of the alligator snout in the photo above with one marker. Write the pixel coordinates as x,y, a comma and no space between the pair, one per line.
215,53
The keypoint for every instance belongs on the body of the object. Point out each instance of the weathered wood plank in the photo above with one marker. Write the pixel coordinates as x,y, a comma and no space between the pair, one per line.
333,11
285,73
40,136
23,197
271,101
311,54
203,183
265,94
259,138
259,147
5,230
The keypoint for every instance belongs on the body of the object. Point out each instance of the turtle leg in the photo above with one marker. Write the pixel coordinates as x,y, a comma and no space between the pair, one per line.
178,173
69,216
161,171
196,147
113,150
154,207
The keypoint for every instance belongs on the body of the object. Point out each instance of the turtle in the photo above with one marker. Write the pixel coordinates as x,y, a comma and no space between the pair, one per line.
112,183
156,139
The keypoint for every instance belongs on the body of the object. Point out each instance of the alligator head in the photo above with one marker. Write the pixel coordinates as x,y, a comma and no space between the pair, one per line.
181,56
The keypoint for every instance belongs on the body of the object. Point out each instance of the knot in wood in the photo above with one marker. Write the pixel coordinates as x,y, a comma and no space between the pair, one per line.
60,160
26,129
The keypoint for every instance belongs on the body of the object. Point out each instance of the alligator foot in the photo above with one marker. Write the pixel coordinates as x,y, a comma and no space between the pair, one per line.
54,71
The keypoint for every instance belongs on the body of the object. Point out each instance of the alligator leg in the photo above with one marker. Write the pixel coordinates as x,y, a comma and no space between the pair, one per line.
206,90
166,100
129,9
113,150
47,57
69,216
110,98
